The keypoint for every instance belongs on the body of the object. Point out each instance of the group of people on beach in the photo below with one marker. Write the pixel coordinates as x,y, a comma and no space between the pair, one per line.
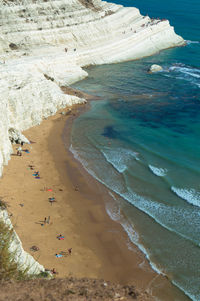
36,174
20,149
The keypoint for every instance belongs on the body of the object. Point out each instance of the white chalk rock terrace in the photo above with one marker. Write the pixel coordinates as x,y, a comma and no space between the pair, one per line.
45,43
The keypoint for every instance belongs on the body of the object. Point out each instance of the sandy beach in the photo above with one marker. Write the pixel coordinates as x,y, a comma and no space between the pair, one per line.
99,245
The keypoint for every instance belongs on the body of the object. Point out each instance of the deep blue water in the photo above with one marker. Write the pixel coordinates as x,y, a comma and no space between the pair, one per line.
142,141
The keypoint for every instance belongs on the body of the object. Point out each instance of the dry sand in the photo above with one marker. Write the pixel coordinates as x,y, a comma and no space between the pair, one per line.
99,245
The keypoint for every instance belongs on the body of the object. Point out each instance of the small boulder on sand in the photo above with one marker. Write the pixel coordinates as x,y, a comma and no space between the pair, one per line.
155,68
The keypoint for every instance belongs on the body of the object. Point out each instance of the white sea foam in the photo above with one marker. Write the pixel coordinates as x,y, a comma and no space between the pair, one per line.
192,42
119,157
134,238
113,210
82,161
174,218
132,234
160,172
114,181
187,73
77,156
190,295
190,195
188,70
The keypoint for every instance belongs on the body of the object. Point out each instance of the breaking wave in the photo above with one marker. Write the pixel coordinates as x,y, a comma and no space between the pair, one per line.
119,157
192,42
187,73
190,195
114,213
160,172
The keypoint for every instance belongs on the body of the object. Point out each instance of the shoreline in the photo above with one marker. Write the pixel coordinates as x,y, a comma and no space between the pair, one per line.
160,286
98,227
99,245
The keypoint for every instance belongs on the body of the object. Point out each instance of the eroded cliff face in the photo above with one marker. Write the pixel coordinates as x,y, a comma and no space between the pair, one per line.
44,45
25,261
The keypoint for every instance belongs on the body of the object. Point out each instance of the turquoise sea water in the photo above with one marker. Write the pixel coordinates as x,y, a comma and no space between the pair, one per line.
142,141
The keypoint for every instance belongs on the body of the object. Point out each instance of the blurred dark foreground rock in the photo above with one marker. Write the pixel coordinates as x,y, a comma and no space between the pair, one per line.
68,289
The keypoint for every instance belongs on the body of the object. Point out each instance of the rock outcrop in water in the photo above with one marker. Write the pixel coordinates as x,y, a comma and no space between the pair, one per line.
155,68
44,45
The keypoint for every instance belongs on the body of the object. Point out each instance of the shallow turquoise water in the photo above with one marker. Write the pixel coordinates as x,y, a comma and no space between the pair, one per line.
143,142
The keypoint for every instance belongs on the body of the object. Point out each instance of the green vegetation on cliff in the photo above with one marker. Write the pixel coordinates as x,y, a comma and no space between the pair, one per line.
9,269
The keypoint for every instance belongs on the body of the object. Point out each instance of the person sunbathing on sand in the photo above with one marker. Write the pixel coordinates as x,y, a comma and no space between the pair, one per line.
60,237
49,189
58,255
36,174
52,200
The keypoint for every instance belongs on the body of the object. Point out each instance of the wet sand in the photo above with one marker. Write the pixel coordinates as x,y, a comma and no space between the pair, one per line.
99,245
